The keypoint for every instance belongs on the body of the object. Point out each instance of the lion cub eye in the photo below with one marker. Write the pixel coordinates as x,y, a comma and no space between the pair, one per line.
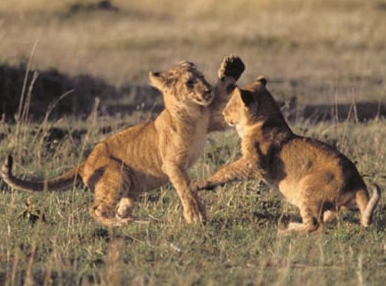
190,83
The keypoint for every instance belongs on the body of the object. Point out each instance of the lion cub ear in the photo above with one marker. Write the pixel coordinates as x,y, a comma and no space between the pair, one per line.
247,97
262,80
157,80
187,64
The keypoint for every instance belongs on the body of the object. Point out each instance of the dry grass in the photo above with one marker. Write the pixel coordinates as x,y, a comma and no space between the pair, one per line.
322,51
239,244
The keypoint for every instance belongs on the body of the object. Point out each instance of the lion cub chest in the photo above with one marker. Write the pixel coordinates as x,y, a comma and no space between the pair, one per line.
197,146
188,143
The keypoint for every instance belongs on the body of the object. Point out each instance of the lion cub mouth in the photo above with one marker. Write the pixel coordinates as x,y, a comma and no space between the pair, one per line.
205,99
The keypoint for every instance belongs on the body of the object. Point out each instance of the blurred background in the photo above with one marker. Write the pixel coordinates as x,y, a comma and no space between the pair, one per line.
323,59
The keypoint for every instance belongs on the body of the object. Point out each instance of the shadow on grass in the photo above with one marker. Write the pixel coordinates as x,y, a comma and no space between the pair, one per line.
361,111
82,90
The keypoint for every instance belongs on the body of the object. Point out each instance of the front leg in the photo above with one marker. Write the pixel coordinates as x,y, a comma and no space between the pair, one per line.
229,72
192,208
240,170
231,66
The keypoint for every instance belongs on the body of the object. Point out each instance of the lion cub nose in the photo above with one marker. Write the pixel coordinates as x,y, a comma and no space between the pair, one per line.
208,93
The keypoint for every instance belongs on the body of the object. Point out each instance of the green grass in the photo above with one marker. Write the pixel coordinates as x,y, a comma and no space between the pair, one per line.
323,52
238,246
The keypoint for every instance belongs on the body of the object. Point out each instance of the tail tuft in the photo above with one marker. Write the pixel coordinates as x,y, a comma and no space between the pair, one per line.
6,169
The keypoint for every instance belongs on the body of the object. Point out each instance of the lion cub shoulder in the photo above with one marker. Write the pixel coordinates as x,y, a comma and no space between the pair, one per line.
313,176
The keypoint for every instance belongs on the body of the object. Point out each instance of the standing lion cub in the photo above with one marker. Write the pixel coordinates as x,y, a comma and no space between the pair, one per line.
313,176
146,156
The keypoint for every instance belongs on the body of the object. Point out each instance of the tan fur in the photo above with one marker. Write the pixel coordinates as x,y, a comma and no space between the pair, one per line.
313,176
148,155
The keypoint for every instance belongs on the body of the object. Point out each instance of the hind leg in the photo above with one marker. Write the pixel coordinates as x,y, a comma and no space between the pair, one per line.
110,213
124,208
311,221
113,202
312,217
107,208
124,211
314,200
329,215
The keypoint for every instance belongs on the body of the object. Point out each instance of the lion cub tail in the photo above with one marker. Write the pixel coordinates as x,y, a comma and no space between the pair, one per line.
49,185
368,213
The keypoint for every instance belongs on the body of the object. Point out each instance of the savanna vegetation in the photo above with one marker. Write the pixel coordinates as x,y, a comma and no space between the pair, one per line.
73,72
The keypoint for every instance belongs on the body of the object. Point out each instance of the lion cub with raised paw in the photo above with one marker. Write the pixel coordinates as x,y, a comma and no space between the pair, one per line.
313,176
146,156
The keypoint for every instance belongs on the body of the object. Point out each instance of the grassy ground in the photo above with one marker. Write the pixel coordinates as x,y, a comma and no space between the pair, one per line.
238,246
321,51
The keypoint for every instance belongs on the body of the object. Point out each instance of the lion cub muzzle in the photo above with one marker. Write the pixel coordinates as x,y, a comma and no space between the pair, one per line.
205,97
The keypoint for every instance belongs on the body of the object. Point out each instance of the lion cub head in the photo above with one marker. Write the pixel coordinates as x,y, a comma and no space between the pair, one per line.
249,105
184,84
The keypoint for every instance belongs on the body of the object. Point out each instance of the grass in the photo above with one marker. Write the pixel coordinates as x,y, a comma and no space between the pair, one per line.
324,47
50,239
320,51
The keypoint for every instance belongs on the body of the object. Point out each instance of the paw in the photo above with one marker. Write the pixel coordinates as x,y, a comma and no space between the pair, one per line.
196,186
231,66
200,185
293,227
193,217
195,213
301,228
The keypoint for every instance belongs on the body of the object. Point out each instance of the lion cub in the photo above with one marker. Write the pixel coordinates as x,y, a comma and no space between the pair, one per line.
148,155
313,176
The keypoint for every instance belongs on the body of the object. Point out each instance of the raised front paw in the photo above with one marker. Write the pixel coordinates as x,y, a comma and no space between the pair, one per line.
231,66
